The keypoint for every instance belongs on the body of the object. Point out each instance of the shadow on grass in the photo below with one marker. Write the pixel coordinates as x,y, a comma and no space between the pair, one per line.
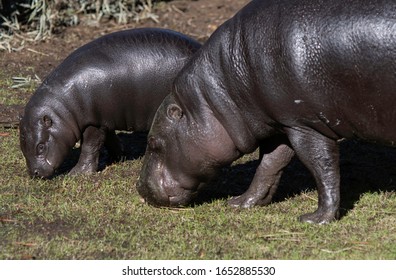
134,145
364,168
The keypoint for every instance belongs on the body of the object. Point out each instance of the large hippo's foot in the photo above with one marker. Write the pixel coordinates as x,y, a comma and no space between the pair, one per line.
274,155
321,156
247,201
319,217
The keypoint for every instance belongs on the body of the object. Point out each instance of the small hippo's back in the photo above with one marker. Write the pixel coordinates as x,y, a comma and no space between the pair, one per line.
120,79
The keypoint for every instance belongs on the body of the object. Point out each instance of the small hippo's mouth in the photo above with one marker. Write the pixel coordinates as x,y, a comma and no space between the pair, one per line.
49,163
45,171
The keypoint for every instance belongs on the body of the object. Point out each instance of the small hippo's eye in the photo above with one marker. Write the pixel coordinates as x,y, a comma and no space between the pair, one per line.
40,148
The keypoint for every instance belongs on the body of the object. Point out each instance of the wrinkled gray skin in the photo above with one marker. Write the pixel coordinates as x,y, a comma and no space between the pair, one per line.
116,82
295,76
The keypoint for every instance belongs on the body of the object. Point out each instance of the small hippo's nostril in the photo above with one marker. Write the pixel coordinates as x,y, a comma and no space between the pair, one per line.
36,173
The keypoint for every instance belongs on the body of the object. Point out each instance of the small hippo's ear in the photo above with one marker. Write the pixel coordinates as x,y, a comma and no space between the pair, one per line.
47,121
174,112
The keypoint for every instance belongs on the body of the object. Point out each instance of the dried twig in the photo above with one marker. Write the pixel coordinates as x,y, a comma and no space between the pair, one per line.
26,244
8,125
20,82
5,220
44,16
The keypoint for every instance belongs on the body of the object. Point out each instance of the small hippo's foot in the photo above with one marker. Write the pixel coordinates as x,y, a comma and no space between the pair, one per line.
91,143
320,217
247,201
83,169
114,147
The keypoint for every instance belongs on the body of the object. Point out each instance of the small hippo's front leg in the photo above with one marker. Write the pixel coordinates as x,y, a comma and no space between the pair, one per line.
274,158
92,141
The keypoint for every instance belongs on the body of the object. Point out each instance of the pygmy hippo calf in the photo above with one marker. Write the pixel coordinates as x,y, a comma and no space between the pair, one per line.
116,82
294,76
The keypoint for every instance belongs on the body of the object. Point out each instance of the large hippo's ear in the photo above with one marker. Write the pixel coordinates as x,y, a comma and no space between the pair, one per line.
174,112
47,121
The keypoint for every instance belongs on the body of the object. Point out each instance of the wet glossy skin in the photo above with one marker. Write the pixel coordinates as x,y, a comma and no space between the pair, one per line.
293,82
113,83
181,168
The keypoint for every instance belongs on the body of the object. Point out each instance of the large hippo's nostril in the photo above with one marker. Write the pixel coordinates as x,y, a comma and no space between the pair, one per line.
36,173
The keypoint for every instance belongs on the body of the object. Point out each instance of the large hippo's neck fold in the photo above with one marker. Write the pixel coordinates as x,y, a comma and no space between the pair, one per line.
215,77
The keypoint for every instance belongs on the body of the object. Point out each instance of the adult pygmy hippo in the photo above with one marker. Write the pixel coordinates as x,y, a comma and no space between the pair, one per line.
293,75
113,83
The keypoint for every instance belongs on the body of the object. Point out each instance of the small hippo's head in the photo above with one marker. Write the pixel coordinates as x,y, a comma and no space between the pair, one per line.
182,155
41,142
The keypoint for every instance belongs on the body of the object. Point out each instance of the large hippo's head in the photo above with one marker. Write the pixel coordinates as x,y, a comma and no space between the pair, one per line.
44,143
182,154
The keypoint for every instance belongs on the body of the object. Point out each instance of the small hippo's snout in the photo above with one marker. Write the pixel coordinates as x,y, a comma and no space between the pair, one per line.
36,173
43,172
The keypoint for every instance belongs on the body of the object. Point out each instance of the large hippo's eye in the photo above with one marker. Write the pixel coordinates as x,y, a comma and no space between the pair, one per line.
40,148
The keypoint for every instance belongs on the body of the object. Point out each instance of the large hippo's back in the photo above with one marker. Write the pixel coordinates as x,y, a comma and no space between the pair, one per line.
329,65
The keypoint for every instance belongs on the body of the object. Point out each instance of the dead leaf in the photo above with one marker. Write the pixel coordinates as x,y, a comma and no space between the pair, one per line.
26,244
5,220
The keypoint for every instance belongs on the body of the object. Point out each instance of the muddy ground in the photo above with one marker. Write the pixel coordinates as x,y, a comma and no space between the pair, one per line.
197,19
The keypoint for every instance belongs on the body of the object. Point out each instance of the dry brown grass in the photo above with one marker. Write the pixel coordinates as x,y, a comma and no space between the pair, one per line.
42,18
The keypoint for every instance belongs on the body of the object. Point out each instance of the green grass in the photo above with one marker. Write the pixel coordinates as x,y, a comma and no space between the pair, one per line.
101,217
7,97
24,86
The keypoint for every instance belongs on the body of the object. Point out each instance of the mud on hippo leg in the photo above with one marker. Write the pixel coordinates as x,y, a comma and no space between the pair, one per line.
274,157
321,156
91,143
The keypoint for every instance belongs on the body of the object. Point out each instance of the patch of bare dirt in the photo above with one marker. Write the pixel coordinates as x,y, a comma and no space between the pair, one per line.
9,115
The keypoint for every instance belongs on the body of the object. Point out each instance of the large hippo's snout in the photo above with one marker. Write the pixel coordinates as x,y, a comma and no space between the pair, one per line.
158,193
152,194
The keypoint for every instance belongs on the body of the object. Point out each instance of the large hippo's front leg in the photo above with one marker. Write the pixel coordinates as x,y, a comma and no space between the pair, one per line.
274,158
321,156
91,143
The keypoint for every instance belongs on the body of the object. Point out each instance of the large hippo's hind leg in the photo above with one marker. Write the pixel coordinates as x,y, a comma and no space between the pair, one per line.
321,156
275,154
91,143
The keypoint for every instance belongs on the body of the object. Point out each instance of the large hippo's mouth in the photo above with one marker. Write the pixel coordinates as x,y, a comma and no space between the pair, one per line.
158,196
